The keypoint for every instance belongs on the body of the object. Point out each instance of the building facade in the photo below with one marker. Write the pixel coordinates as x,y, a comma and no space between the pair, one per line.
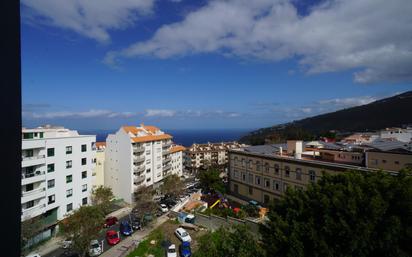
138,157
57,166
264,173
202,156
98,171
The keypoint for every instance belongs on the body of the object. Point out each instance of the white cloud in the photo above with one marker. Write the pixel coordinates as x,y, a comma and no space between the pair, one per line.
85,114
348,102
368,36
89,18
160,113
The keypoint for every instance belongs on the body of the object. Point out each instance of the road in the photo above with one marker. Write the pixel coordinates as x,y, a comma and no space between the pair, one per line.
60,251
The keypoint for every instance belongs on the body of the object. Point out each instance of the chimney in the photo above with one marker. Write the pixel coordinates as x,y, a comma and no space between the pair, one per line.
295,148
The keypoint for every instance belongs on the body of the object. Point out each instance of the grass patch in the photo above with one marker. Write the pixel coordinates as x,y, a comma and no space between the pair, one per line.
145,248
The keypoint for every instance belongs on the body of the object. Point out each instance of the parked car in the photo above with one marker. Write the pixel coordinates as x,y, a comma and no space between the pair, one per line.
125,228
112,237
95,248
171,251
110,221
185,250
183,235
136,224
163,208
67,243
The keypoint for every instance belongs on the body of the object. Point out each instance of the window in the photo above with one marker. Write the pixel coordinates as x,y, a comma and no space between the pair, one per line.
243,162
41,134
50,152
235,173
148,161
287,171
69,207
84,174
312,176
158,150
68,164
158,158
267,167
68,150
84,188
148,152
84,201
251,178
52,199
50,183
29,187
276,185
243,176
251,190
277,169
383,161
249,164
69,178
257,165
148,170
147,144
50,167
266,199
148,179
257,178
267,183
84,148
27,135
299,174
84,161
374,161
29,153
397,162
236,188
69,192
29,204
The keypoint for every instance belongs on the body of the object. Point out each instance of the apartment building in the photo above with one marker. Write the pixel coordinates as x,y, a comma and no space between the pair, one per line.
57,166
202,156
138,157
176,154
98,171
263,173
400,134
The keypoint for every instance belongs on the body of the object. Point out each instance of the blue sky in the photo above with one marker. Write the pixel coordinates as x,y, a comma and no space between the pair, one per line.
208,64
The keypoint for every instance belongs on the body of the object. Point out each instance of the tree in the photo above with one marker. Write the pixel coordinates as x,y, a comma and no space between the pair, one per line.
210,181
83,226
144,203
237,242
29,229
350,214
101,197
172,185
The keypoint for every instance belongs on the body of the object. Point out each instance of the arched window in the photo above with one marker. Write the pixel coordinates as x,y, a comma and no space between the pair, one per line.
299,174
312,176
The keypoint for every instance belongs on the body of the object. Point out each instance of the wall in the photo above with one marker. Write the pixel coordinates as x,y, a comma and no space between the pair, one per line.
388,161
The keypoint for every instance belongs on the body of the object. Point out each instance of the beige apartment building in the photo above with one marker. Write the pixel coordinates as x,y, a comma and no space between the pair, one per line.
98,171
263,173
202,156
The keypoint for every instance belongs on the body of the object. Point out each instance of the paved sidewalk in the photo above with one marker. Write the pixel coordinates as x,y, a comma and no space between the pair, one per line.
129,244
55,242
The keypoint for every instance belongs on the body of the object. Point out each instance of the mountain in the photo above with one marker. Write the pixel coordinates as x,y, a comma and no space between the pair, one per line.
389,112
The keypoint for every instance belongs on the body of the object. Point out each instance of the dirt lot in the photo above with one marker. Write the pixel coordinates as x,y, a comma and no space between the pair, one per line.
169,227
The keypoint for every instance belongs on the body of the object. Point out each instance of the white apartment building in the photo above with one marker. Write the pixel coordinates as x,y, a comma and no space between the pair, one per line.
57,166
98,171
138,157
400,134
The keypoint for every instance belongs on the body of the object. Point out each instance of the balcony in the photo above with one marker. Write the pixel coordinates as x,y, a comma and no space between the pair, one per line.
138,158
138,149
32,160
33,177
33,211
167,167
139,179
165,152
139,168
167,144
34,194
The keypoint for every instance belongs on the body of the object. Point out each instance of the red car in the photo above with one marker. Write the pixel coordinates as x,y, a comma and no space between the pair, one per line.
110,221
112,237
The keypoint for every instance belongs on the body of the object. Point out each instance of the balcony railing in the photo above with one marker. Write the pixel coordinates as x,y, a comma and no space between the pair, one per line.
138,149
139,168
29,158
34,191
33,211
167,144
139,179
138,158
165,152
32,174
167,167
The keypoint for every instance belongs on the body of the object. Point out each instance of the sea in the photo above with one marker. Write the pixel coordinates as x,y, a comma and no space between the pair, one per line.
185,137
